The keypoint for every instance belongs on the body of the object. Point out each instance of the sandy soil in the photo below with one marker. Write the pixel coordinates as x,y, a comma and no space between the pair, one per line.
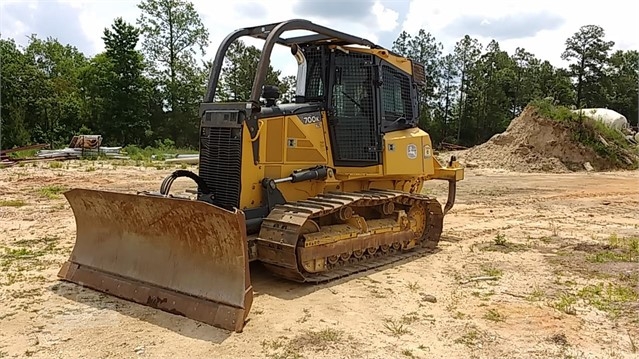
561,251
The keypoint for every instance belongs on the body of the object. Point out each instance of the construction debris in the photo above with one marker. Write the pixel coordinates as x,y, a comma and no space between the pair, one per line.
6,161
83,146
191,159
76,153
452,147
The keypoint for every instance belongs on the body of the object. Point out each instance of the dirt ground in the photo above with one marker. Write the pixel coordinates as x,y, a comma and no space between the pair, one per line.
556,256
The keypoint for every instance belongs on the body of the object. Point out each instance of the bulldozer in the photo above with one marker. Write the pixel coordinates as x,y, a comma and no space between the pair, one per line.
322,187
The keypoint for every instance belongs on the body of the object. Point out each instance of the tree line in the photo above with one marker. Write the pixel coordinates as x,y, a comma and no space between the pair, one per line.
474,92
52,91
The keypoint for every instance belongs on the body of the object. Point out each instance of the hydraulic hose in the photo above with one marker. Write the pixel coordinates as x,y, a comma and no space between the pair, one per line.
165,187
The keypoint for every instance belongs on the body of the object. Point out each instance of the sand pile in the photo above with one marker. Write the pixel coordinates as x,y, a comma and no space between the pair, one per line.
533,143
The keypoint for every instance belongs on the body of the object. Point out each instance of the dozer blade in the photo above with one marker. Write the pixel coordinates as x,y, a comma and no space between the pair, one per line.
181,256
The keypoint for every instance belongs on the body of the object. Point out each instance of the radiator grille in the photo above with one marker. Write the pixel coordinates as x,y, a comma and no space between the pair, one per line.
221,164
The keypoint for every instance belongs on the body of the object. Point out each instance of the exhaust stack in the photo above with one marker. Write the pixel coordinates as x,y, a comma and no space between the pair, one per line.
300,86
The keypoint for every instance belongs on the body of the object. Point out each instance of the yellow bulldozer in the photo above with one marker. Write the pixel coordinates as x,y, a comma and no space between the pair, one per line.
320,188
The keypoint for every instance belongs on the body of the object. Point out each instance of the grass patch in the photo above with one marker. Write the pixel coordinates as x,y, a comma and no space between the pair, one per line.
407,353
537,294
51,192
157,152
609,298
492,271
27,251
618,249
472,336
22,154
310,340
501,244
395,329
566,303
12,203
605,141
494,315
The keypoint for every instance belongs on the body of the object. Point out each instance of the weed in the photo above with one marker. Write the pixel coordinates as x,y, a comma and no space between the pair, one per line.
484,296
494,315
55,164
559,339
554,229
407,353
395,329
500,239
537,294
318,339
413,286
459,315
492,271
305,317
410,318
566,304
471,337
633,346
278,349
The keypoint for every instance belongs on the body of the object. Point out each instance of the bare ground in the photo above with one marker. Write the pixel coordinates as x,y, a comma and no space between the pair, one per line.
561,252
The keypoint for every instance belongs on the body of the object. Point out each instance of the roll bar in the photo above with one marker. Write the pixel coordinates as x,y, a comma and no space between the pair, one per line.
272,34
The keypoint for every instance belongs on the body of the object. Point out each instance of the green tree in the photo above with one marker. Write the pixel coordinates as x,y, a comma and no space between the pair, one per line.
15,129
446,114
553,82
173,32
238,73
424,49
587,50
524,86
54,110
623,74
467,52
288,84
127,120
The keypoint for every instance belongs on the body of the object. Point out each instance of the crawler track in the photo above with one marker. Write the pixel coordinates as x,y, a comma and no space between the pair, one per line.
334,235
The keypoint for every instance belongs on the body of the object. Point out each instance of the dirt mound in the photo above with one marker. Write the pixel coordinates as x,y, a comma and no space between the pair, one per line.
536,143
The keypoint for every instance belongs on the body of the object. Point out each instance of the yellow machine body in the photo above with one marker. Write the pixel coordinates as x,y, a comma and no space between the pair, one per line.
317,189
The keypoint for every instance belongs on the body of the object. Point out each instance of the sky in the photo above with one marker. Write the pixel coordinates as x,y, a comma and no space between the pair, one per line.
541,27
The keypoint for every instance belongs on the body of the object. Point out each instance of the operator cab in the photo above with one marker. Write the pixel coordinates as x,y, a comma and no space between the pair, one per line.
365,90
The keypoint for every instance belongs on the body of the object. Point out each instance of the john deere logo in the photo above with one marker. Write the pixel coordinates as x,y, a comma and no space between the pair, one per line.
411,151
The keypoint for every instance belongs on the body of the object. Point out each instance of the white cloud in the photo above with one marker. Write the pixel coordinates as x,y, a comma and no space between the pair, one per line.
384,21
387,19
617,17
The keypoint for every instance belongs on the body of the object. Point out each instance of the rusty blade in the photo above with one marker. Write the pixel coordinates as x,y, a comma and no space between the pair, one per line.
188,257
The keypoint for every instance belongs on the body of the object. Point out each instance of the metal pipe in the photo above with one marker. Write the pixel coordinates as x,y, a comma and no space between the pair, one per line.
302,65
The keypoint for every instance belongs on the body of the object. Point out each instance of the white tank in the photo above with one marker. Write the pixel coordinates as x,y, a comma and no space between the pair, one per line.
609,117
